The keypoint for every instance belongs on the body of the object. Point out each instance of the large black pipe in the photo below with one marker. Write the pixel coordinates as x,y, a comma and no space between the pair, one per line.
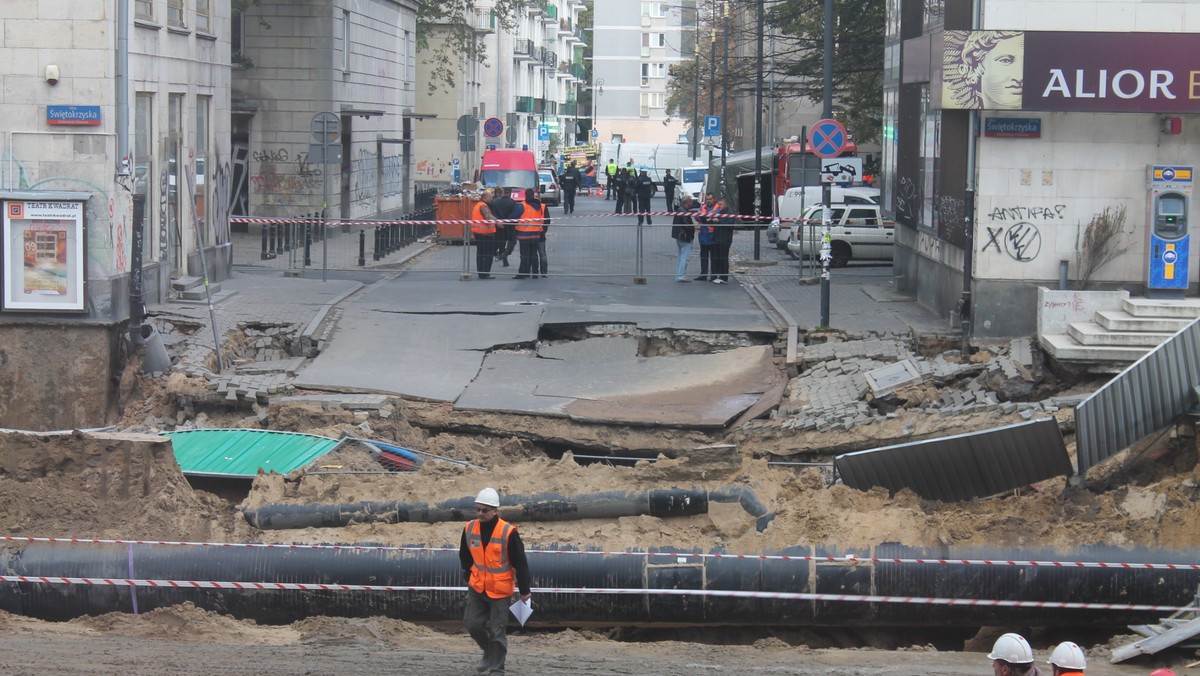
518,508
558,570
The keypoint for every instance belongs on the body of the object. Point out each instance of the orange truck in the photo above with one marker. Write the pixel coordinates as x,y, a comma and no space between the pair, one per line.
510,168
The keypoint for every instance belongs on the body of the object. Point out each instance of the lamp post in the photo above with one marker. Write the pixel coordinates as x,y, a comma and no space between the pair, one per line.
597,92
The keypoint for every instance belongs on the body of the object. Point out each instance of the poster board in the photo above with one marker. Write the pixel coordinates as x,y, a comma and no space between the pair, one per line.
44,256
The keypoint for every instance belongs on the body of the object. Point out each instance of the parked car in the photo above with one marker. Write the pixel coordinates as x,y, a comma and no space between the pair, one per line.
857,232
810,196
548,188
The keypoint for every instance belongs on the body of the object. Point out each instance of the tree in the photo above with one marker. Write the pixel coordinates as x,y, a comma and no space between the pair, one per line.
798,29
461,43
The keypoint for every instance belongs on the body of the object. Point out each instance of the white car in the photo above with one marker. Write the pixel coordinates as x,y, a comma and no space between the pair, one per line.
810,196
856,231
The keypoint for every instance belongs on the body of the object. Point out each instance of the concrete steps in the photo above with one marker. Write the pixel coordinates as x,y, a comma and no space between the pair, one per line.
1122,335
191,290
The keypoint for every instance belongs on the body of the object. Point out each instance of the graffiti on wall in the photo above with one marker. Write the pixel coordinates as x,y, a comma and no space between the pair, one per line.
367,180
1054,212
908,201
1022,240
285,173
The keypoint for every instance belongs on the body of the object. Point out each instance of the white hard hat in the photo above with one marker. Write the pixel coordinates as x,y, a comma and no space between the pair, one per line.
489,497
1067,655
1012,648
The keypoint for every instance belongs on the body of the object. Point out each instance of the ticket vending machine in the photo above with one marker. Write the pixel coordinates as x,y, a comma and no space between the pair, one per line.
1170,205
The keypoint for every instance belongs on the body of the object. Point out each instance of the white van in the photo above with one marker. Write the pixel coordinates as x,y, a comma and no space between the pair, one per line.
789,206
691,180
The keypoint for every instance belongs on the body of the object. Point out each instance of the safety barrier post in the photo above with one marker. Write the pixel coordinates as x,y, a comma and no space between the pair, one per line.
362,248
264,254
376,254
307,243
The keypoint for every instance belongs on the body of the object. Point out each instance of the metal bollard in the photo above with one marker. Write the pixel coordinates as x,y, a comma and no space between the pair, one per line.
265,254
307,244
362,248
376,251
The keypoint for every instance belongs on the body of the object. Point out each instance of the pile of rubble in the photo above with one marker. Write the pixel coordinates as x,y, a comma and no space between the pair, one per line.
842,384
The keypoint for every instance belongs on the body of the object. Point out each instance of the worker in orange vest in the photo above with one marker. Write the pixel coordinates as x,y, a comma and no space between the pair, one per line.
493,561
483,233
529,232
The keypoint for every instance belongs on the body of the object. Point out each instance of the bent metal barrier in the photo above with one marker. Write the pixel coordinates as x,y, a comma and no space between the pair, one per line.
882,586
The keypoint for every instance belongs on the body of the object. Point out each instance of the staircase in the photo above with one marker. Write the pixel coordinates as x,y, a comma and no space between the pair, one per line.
1123,334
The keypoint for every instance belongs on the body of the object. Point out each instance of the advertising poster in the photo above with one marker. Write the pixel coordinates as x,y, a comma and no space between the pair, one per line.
43,256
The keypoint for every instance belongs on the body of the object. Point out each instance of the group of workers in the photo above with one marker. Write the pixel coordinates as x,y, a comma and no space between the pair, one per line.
499,223
1012,656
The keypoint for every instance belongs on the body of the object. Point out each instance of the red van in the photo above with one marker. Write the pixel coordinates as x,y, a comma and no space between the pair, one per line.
510,168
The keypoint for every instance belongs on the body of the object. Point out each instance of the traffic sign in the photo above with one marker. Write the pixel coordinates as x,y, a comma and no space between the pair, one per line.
595,133
467,124
511,135
325,127
493,127
712,125
455,162
828,138
543,132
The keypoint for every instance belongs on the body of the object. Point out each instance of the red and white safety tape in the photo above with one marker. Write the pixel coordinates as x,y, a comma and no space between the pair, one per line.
792,596
849,558
556,220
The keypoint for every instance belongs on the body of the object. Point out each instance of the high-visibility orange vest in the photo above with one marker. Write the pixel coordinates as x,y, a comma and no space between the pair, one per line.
492,573
480,225
531,229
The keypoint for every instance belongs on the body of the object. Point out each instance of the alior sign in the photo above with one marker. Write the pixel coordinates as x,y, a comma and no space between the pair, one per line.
1072,72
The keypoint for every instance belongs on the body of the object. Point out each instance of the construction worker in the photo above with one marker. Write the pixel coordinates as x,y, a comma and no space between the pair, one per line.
611,170
483,233
1067,659
1012,656
493,562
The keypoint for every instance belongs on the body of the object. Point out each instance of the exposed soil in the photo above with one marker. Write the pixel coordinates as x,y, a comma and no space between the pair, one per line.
127,486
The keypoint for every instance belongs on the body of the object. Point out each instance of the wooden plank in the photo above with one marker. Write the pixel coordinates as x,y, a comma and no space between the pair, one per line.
1154,644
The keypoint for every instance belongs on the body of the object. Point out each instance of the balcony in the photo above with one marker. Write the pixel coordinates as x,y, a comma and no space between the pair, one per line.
525,104
551,16
524,50
549,58
569,109
577,71
564,27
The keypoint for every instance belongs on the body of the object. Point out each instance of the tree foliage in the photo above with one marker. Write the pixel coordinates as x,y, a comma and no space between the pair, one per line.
797,28
452,18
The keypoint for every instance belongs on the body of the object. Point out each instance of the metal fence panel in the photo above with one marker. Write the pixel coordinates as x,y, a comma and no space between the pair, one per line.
1143,399
964,466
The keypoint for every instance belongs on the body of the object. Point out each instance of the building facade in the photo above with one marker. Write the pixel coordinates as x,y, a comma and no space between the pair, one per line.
635,45
103,104
351,62
523,95
1054,118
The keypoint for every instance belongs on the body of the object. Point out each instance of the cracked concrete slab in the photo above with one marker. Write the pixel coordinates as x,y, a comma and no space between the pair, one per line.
604,379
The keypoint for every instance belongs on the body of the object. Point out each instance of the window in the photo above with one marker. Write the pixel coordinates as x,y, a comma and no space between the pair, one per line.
653,40
654,70
204,16
175,10
237,36
143,161
345,40
650,100
203,105
143,9
654,9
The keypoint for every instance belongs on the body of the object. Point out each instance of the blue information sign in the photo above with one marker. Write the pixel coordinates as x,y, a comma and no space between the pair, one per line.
712,125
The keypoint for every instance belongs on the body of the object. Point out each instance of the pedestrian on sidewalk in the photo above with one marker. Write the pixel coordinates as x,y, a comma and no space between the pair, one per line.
722,241
506,209
705,219
669,185
683,231
483,233
528,230
570,183
644,188
494,565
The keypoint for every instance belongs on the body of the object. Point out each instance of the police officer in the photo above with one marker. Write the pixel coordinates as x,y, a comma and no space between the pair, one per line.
645,189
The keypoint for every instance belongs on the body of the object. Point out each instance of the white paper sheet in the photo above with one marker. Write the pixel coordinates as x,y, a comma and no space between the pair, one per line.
521,610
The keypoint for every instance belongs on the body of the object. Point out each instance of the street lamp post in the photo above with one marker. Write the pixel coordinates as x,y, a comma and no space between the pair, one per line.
597,92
